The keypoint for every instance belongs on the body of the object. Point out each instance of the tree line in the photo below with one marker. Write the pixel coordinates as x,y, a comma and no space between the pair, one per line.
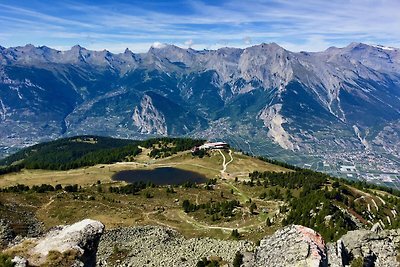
81,151
224,208
43,188
298,179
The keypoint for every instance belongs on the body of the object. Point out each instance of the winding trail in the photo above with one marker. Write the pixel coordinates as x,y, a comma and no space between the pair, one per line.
224,163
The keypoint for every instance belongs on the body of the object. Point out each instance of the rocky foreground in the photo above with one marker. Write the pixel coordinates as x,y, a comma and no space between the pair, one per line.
160,246
87,244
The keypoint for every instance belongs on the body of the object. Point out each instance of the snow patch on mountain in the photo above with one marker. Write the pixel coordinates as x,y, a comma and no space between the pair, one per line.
384,47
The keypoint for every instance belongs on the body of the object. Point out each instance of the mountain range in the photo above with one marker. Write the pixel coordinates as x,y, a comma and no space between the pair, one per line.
341,103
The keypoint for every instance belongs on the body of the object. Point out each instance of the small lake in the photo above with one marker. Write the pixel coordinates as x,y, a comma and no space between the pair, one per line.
160,176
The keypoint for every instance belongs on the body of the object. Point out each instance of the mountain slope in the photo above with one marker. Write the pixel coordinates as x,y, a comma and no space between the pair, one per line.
334,101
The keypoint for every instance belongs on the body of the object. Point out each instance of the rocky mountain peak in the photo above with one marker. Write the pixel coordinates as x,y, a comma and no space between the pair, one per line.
28,47
77,48
357,46
268,63
128,51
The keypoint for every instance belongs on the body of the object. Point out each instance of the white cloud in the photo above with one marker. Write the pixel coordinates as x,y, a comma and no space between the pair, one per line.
189,43
312,44
247,40
158,45
296,25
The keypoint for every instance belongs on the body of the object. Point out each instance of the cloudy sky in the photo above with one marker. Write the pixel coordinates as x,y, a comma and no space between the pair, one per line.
310,25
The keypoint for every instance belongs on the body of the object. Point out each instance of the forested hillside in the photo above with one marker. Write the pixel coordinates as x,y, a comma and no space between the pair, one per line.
75,152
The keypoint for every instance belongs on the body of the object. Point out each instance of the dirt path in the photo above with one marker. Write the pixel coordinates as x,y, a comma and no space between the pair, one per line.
243,195
52,198
224,163
229,162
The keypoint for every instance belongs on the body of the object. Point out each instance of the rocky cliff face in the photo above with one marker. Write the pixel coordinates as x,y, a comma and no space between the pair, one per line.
148,119
341,99
294,245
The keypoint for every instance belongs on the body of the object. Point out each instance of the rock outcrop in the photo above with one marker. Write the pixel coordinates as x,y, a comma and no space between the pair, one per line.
373,248
78,241
294,245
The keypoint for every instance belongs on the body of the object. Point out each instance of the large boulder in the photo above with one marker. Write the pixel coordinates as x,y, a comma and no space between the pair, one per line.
294,245
72,245
83,237
371,248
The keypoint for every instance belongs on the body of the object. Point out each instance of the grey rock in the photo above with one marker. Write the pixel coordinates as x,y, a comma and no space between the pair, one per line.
82,236
294,245
300,246
377,249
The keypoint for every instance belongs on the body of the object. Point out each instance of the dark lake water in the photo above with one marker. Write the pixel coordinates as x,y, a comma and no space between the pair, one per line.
160,176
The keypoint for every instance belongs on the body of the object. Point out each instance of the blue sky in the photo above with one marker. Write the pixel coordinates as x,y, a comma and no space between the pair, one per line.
311,25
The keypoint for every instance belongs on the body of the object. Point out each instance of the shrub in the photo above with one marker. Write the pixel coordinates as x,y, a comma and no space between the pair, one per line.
5,260
235,234
238,260
357,262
